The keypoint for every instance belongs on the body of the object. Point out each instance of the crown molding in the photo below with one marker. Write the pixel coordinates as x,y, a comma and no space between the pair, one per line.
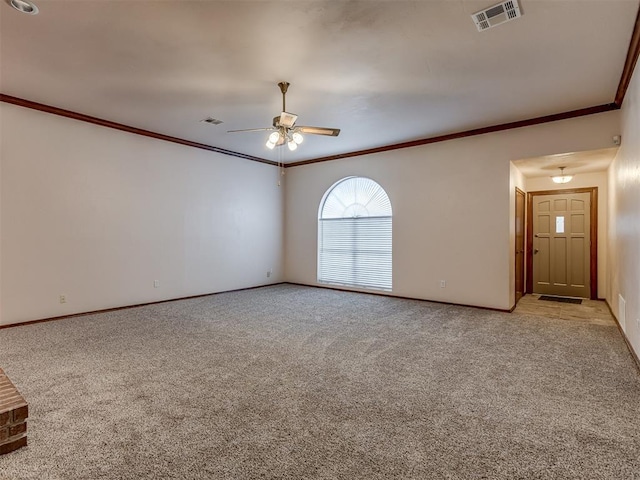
467,133
630,62
126,128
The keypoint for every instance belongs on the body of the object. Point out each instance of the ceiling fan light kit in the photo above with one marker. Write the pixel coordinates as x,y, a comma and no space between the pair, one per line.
284,129
274,137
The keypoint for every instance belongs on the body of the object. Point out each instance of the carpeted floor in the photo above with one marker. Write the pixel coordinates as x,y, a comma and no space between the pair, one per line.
293,382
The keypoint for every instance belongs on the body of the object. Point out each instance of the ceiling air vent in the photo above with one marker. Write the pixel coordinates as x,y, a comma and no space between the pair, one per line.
497,14
212,121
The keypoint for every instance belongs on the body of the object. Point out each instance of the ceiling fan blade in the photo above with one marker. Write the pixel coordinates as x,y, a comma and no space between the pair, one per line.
331,132
251,130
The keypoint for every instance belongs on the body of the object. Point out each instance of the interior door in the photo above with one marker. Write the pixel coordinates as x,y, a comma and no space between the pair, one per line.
520,201
561,244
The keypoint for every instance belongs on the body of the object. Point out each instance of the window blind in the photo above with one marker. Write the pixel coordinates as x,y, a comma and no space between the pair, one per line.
356,252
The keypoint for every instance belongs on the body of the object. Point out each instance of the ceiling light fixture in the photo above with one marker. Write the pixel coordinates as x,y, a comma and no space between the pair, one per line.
24,6
274,137
284,129
562,178
282,136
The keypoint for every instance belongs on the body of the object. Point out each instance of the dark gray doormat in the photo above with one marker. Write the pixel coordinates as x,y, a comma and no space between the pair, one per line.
561,299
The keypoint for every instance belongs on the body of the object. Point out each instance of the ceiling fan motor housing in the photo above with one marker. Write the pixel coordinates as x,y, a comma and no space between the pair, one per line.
287,119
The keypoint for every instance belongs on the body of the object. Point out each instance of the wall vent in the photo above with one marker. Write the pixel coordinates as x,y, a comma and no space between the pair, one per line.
212,121
622,313
496,14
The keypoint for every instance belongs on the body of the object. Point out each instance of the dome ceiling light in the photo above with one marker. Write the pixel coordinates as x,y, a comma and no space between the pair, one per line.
562,178
24,6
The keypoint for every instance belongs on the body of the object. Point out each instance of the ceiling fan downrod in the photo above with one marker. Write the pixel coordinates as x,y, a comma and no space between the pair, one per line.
283,88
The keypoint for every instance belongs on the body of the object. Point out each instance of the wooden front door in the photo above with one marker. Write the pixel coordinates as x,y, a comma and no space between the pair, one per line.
561,244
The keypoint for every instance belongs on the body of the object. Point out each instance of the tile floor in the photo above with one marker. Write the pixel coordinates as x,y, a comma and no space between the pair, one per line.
593,311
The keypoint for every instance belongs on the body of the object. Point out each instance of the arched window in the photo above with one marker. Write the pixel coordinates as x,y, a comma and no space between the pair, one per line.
354,235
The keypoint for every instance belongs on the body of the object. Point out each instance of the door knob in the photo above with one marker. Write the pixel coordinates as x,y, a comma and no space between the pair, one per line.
535,250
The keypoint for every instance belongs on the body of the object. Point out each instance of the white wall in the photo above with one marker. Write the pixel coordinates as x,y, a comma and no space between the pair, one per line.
452,204
98,214
595,179
624,216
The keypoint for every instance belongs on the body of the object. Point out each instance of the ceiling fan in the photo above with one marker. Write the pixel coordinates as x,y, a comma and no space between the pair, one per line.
285,130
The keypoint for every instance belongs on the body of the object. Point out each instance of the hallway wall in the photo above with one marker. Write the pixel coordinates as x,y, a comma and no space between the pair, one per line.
624,218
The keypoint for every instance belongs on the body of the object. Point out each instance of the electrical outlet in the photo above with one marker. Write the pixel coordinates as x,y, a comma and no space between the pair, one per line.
63,299
638,323
156,283
269,272
443,283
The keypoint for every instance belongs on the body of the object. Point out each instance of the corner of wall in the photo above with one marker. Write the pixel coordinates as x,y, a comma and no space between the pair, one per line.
624,220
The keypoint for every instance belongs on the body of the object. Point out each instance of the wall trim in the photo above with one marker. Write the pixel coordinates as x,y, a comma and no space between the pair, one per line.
381,294
466,133
593,233
630,62
633,353
524,248
21,102
126,307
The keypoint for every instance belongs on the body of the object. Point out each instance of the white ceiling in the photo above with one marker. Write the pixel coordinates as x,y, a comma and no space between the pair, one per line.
382,71
575,163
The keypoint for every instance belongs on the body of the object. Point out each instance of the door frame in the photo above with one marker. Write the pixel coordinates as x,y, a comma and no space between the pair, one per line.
593,232
524,253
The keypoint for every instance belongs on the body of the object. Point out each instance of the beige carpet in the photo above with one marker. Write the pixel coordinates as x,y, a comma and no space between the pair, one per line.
293,382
